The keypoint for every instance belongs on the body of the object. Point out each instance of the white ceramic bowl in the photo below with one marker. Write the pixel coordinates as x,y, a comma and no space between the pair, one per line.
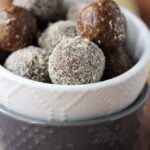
62,102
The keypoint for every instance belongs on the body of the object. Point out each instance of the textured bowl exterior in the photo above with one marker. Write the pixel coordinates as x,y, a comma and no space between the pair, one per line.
117,132
24,136
61,102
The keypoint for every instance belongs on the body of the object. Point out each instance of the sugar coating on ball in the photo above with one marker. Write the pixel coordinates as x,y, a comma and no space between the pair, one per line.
76,61
30,62
103,22
74,10
47,10
55,33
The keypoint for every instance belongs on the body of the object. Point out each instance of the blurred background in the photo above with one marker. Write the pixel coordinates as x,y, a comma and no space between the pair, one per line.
139,7
142,9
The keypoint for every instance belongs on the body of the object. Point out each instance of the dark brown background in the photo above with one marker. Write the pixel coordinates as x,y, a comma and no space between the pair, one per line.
144,7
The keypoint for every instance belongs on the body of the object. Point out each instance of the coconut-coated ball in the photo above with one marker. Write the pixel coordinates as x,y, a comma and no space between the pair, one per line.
18,28
55,33
30,62
76,61
46,10
103,22
75,10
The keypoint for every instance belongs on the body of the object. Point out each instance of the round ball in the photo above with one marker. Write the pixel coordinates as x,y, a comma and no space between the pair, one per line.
17,27
55,33
76,61
3,56
117,62
46,10
30,62
103,22
75,10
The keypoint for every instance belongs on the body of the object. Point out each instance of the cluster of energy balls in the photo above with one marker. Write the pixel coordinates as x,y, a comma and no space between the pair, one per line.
82,45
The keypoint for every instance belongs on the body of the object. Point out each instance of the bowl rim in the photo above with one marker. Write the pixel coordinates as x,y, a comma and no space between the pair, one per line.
123,77
139,102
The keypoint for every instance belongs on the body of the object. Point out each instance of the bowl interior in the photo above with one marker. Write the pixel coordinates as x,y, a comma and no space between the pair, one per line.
137,43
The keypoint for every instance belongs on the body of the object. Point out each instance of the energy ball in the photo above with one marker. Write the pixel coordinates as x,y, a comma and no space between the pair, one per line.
55,33
104,23
3,56
117,62
17,27
46,10
30,62
76,61
75,10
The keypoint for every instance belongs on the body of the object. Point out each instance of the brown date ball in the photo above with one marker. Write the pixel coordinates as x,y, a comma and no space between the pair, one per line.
117,62
17,27
76,61
45,10
104,23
